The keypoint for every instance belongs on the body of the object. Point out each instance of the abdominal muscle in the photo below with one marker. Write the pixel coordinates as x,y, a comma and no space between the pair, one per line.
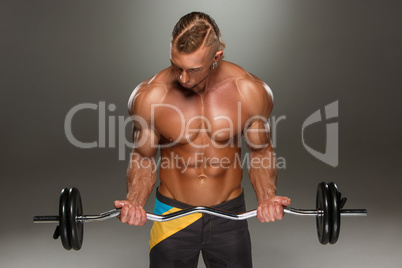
200,179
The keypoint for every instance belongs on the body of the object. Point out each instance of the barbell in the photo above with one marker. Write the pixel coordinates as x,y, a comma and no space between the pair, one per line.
328,212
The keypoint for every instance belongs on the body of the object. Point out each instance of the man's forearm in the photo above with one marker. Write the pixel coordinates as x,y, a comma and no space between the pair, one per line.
141,178
263,172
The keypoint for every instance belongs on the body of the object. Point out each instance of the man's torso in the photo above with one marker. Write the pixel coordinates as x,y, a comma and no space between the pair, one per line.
199,135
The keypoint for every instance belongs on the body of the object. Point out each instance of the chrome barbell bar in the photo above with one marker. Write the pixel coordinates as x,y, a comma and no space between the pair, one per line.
205,210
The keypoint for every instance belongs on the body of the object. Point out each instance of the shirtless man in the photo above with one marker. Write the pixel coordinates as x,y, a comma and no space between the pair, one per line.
196,111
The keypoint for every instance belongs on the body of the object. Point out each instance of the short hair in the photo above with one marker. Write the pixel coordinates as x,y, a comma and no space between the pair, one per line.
194,30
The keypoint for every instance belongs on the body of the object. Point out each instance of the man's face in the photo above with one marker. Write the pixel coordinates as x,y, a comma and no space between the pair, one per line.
191,69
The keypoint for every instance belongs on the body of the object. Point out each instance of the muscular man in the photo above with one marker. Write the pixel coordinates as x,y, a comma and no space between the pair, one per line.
196,111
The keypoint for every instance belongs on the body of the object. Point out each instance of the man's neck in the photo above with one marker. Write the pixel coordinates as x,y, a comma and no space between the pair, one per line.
206,83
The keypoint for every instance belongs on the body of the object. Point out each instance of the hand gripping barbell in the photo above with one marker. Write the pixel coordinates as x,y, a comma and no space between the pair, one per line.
328,212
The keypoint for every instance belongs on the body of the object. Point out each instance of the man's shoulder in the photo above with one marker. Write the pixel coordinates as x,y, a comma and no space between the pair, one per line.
152,90
251,85
245,81
254,92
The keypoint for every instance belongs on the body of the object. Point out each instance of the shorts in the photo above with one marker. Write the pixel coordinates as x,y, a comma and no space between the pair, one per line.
178,243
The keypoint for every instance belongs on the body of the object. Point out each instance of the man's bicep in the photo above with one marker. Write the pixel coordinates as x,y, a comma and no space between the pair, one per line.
259,100
257,134
145,135
145,141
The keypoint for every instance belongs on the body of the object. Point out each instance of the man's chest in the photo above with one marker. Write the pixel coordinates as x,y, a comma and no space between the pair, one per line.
216,116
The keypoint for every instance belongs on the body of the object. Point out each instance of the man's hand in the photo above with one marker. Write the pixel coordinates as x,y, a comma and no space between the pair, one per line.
130,213
271,209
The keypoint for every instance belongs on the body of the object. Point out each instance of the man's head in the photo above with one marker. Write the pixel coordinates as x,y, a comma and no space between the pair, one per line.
196,47
195,30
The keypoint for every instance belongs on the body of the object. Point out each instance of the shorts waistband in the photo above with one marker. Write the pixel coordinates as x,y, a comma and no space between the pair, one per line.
225,205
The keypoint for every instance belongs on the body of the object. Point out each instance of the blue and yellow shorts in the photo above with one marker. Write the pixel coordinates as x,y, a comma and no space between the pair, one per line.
178,243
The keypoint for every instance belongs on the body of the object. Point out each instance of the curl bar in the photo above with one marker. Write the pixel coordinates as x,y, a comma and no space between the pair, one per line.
329,209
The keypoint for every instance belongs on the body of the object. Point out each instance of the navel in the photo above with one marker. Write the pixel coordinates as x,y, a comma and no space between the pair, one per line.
202,177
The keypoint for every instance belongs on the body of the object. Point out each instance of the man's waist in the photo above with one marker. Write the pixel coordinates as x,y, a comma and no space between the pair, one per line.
225,205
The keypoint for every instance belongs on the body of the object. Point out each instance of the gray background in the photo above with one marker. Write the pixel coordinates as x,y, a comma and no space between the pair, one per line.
58,54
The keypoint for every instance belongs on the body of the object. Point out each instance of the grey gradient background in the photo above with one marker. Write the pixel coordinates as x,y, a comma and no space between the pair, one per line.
57,54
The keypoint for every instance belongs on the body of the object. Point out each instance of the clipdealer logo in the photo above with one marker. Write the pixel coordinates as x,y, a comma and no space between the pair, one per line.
103,132
112,126
331,154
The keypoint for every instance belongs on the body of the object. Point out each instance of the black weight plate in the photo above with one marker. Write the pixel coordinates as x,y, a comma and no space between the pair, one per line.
63,222
335,212
74,210
323,220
